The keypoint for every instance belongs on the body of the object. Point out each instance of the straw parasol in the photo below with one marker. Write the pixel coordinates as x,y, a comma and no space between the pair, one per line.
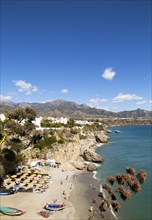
30,185
8,180
22,184
34,182
14,176
26,181
11,184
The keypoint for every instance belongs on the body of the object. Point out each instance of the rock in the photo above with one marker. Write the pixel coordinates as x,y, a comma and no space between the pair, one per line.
79,165
91,167
90,155
102,138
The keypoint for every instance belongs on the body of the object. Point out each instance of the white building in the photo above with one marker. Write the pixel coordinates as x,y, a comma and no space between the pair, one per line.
37,122
2,117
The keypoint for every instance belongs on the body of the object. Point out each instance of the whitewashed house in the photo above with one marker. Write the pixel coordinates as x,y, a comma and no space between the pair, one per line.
2,117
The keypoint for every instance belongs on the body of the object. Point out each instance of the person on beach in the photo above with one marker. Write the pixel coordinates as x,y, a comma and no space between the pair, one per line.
71,186
91,210
90,185
64,193
93,201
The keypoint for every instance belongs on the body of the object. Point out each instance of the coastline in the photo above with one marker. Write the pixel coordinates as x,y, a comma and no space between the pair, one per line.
91,193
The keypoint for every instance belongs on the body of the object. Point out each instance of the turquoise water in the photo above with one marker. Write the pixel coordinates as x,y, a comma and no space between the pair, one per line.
130,148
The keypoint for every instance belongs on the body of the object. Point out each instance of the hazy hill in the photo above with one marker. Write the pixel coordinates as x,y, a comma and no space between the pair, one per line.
58,108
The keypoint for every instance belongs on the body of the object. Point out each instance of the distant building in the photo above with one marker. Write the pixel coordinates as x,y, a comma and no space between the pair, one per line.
2,117
37,122
83,122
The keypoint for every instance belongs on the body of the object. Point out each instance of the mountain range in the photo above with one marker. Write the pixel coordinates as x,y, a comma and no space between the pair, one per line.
62,108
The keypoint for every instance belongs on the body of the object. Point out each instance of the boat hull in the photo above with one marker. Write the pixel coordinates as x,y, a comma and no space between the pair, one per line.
54,207
11,211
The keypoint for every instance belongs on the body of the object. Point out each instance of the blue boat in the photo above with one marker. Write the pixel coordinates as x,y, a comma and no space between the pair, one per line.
54,206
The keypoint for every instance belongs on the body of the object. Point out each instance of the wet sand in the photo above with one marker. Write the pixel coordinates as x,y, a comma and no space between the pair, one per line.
91,191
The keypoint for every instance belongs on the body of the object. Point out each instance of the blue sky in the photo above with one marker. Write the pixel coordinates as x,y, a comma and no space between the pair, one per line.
92,52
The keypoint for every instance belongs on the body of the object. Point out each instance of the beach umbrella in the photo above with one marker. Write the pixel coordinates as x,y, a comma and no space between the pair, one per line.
28,171
33,175
8,180
34,182
11,184
30,185
22,184
36,172
14,176
46,177
24,175
26,181
19,173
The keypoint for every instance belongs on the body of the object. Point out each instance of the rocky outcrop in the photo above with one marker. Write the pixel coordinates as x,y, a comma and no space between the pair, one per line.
79,165
101,137
91,167
90,155
71,151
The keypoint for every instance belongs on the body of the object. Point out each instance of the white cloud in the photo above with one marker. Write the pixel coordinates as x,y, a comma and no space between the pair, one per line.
25,87
141,102
150,102
64,91
108,74
96,102
126,97
5,98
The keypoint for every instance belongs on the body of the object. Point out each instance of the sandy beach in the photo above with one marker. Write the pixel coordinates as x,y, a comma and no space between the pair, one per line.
78,198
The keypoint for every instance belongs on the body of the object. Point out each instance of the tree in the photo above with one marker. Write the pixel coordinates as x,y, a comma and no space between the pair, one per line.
121,186
21,114
16,134
19,124
71,123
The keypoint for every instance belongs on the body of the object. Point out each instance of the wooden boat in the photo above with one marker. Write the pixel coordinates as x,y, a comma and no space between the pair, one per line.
11,211
54,206
4,192
21,189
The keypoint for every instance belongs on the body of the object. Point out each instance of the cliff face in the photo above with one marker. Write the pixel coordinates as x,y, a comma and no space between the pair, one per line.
71,151
76,150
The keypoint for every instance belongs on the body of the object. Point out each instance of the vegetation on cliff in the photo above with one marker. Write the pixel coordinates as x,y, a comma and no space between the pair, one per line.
18,134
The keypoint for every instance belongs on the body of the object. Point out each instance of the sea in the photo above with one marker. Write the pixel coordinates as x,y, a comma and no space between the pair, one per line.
132,147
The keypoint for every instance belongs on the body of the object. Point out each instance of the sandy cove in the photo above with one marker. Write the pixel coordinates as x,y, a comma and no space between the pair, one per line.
78,199
34,202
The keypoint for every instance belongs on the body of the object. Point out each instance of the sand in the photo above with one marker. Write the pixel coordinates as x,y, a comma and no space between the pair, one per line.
78,198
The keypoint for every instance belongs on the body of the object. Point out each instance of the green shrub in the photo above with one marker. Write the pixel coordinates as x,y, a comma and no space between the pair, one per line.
9,154
47,142
1,136
61,141
74,131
